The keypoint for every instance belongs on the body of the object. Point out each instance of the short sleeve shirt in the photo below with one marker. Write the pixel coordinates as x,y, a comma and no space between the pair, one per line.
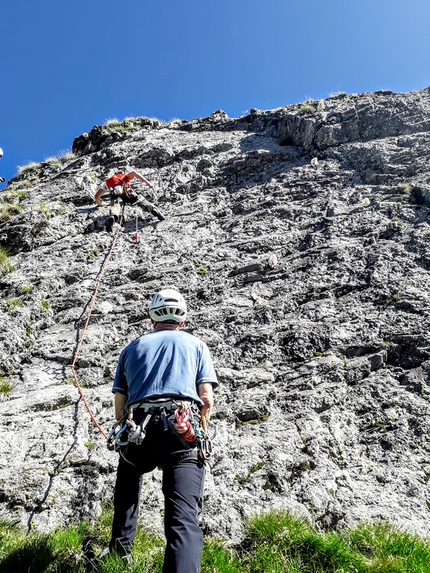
118,179
164,363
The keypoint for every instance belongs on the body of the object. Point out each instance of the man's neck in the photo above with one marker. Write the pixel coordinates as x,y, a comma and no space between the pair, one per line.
165,326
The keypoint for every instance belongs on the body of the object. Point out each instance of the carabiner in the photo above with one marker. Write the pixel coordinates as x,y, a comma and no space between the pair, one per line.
122,430
206,448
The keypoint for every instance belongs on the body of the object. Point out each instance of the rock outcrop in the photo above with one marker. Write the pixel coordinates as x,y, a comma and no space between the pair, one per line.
300,238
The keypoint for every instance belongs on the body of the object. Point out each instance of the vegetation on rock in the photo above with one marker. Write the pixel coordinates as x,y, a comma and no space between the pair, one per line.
273,543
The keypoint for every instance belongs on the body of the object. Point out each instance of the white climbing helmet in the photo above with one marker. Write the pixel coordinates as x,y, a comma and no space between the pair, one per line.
168,305
1,152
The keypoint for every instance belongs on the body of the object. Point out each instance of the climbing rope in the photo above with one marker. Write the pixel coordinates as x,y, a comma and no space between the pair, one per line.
199,433
84,330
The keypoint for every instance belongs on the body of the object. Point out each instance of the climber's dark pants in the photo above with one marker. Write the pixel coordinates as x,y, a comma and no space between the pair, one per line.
116,202
183,480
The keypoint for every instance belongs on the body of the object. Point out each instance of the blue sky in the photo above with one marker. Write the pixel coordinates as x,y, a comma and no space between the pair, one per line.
67,66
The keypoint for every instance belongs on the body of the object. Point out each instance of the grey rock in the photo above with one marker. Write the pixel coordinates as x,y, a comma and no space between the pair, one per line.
300,239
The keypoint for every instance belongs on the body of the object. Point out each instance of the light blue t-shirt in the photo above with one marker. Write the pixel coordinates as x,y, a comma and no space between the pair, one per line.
164,363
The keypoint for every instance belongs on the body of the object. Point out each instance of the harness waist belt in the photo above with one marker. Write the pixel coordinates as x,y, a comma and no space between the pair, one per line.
169,404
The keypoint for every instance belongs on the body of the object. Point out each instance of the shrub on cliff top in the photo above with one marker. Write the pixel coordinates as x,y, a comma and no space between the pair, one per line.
31,168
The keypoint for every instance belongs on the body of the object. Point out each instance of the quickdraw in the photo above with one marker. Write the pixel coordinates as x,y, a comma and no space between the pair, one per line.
135,432
184,426
206,442
195,431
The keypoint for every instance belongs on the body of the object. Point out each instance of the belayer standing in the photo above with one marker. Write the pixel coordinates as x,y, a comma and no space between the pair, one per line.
1,155
120,192
164,378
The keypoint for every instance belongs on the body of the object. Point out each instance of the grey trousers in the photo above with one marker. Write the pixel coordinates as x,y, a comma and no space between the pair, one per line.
183,482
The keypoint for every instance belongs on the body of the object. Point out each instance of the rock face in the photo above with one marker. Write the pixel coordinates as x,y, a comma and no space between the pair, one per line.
300,238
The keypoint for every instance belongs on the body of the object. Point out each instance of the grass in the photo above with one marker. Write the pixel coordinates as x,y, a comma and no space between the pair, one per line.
9,210
27,289
64,156
274,543
395,297
14,194
307,108
12,303
31,168
17,185
5,386
5,264
114,125
405,188
44,209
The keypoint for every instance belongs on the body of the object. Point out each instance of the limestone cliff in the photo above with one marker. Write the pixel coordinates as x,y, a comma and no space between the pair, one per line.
300,238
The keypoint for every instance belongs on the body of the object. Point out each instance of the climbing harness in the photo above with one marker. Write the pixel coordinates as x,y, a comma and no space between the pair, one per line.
90,309
175,415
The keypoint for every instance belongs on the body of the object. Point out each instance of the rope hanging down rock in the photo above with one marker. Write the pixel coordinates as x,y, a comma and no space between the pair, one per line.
84,330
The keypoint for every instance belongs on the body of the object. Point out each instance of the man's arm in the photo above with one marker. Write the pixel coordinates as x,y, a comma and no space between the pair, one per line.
206,394
134,174
120,403
98,196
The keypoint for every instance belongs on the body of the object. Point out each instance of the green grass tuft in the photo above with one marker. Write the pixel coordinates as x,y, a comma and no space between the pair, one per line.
12,303
274,543
14,194
31,168
5,386
5,264
44,209
307,108
27,289
9,210
218,558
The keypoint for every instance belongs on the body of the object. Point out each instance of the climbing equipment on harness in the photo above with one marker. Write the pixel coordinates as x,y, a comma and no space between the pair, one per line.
173,414
206,441
135,432
118,190
183,425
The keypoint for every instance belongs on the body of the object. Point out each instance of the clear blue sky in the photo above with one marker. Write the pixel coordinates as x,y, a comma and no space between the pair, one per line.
66,66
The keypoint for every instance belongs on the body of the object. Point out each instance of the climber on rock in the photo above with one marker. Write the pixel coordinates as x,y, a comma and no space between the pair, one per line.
158,374
120,191
1,155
